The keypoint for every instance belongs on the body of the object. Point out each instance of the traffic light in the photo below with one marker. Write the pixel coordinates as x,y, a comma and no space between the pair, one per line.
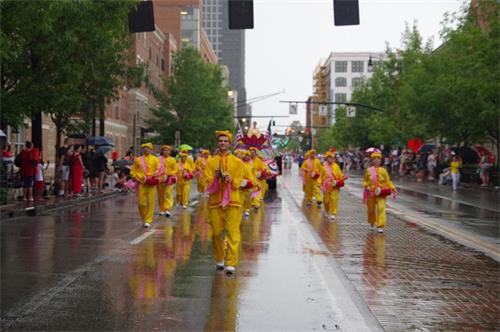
240,14
346,12
141,19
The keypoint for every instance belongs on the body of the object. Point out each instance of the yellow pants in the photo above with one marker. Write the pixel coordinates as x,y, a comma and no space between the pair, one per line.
312,190
331,200
376,211
229,219
146,202
165,197
263,189
246,201
182,190
200,186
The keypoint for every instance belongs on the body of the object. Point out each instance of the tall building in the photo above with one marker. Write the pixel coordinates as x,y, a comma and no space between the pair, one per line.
229,46
347,70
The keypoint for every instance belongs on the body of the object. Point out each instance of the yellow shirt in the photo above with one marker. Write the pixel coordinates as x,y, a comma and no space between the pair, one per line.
235,168
152,164
383,179
259,165
455,167
200,164
249,174
186,166
309,166
170,166
335,170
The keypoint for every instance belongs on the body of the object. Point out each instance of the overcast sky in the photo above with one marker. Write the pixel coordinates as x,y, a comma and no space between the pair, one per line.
291,36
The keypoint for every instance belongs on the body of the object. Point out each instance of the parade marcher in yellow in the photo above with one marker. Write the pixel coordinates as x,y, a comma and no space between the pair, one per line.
200,164
311,177
250,185
167,172
185,173
224,174
455,166
332,180
262,172
145,172
378,186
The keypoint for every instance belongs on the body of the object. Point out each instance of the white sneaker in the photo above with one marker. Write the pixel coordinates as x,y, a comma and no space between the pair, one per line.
162,213
184,207
167,214
219,266
372,227
332,217
146,225
247,213
380,230
230,270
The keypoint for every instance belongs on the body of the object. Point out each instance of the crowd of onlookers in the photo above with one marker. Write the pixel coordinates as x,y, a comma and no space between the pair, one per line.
443,168
78,171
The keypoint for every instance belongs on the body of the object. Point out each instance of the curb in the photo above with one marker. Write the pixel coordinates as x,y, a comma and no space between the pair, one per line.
36,210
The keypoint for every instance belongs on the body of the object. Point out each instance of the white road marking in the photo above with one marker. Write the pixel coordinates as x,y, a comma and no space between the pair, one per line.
142,237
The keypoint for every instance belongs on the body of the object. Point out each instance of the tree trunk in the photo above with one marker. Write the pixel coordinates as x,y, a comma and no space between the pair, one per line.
58,145
102,115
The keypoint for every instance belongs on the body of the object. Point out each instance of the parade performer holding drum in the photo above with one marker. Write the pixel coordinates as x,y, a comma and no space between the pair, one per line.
145,172
224,174
311,177
167,172
185,173
378,186
332,180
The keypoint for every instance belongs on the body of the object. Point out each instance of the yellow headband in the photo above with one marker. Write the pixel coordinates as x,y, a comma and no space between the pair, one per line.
166,146
147,145
226,133
329,154
205,152
311,152
376,155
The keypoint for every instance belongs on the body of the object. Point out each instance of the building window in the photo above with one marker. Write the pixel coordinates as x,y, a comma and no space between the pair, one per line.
357,82
341,66
150,53
340,81
340,97
162,64
357,66
117,112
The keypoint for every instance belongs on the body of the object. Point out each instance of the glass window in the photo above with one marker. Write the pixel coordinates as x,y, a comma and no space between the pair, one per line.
357,82
357,66
340,81
341,66
340,97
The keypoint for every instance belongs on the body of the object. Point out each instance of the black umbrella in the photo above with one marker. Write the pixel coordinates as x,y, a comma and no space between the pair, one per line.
100,140
426,148
468,155
122,163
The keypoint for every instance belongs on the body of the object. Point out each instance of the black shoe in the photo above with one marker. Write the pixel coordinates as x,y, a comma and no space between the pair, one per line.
319,203
230,273
219,268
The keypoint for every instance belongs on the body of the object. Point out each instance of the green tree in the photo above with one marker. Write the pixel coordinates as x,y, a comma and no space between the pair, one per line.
197,103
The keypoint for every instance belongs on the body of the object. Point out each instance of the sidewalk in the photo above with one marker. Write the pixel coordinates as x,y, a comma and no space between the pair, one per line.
22,208
471,195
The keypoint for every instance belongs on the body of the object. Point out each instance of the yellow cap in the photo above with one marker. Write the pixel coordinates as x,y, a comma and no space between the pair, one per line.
147,145
166,146
226,133
376,155
329,154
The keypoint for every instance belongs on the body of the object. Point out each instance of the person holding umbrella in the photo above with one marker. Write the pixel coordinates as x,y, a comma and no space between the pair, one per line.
378,186
145,172
167,172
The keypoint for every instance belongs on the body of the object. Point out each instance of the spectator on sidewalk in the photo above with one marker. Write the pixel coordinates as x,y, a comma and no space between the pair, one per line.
63,165
485,165
28,161
420,166
114,155
455,166
77,170
100,166
431,165
39,179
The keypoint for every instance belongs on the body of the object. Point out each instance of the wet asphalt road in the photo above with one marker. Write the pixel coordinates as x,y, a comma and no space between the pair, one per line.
95,268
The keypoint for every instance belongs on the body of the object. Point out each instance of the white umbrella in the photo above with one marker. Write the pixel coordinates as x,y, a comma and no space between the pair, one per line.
372,150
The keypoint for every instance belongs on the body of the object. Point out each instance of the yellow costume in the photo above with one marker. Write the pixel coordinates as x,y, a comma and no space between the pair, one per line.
185,172
200,165
224,204
331,173
168,167
376,204
145,193
249,176
261,171
311,177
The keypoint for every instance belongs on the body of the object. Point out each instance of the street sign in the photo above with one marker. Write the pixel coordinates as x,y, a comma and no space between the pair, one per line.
293,109
351,111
